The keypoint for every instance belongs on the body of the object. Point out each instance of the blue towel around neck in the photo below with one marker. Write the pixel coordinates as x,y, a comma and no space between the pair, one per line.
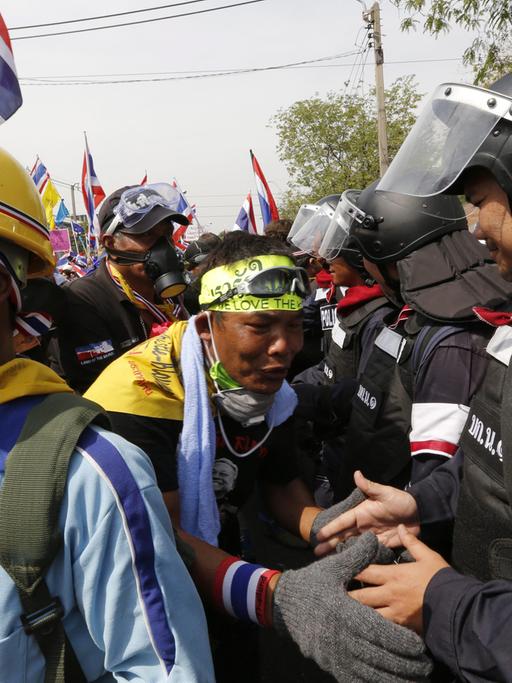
196,450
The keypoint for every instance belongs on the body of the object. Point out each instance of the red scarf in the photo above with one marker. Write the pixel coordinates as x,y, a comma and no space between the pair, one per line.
356,297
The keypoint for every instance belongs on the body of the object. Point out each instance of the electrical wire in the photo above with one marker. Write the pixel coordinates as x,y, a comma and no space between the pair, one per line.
134,23
49,81
105,16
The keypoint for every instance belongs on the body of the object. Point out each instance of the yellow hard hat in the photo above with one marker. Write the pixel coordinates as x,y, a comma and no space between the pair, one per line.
22,216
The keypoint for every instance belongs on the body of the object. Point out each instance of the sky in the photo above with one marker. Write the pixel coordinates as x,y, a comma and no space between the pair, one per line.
197,130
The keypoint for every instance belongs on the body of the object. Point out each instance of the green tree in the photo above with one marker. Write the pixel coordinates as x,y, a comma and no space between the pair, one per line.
490,53
329,145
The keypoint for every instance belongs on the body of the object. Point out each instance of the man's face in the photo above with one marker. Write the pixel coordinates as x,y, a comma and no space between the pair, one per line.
375,272
142,243
495,219
257,349
342,274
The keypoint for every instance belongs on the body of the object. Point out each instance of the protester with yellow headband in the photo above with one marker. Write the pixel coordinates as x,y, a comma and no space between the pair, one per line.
208,402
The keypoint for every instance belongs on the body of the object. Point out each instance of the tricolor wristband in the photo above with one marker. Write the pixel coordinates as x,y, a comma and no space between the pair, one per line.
240,588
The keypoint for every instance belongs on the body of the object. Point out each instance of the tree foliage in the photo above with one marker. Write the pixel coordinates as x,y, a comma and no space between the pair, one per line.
490,53
329,145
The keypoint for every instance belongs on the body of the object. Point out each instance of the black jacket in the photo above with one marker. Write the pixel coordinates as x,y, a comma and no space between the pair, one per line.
100,325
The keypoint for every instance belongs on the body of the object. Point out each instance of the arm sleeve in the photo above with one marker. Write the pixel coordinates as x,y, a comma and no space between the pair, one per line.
443,391
138,601
280,465
312,324
467,626
436,497
158,438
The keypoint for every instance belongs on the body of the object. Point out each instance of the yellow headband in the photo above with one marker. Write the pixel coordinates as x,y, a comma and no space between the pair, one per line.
220,280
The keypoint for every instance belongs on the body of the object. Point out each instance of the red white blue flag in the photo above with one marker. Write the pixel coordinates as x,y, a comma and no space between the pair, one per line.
40,175
145,179
268,205
179,235
245,220
92,191
10,93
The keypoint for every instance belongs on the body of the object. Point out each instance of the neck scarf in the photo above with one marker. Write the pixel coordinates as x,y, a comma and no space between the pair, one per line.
29,324
162,313
22,377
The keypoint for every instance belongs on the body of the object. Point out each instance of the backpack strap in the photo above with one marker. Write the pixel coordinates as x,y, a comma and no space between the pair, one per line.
30,499
424,344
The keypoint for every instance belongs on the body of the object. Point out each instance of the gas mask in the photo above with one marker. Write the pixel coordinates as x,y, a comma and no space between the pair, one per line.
161,265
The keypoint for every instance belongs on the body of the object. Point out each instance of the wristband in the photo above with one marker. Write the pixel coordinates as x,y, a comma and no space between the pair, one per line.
240,588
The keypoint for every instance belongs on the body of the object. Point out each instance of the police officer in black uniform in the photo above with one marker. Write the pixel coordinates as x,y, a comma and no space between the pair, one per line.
465,610
424,365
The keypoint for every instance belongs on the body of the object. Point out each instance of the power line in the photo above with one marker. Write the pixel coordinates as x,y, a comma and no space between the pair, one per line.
134,23
105,16
48,81
187,72
307,64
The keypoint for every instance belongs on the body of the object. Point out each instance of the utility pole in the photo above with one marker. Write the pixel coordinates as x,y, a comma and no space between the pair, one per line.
372,16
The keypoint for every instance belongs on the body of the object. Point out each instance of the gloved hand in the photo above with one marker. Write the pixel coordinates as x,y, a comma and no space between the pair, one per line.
334,511
352,642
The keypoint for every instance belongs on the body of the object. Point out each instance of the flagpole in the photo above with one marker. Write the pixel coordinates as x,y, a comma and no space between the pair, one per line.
88,175
75,238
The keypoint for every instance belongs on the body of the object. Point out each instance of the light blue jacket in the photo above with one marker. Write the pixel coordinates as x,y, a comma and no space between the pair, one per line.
130,605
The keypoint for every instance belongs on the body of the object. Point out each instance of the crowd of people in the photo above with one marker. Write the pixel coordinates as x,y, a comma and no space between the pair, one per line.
348,370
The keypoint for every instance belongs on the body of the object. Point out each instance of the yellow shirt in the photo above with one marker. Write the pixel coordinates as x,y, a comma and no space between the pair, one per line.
146,380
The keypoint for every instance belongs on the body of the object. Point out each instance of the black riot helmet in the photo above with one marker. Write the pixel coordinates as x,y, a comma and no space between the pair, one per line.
387,226
461,127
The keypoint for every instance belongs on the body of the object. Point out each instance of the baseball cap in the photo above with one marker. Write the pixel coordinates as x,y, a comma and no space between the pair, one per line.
138,208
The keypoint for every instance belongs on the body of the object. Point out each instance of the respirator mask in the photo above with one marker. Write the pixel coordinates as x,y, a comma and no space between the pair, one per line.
161,264
140,209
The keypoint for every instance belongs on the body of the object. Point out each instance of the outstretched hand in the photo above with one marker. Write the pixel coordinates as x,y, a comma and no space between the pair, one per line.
397,591
383,510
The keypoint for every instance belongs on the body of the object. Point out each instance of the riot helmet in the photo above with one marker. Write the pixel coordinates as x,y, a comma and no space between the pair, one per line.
461,127
387,226
311,224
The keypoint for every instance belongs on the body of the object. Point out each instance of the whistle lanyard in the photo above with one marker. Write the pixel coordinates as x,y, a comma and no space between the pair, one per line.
162,313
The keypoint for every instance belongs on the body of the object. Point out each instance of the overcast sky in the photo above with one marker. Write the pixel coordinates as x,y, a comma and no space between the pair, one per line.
199,130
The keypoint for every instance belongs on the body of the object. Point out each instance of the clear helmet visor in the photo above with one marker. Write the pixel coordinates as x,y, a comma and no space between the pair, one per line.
450,129
312,232
137,202
305,212
338,232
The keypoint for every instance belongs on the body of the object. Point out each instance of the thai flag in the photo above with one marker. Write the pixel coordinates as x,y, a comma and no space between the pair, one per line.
145,179
40,175
268,206
10,93
92,191
245,220
183,205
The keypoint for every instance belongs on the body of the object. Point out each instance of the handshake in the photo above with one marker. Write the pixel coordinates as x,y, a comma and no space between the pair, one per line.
351,640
